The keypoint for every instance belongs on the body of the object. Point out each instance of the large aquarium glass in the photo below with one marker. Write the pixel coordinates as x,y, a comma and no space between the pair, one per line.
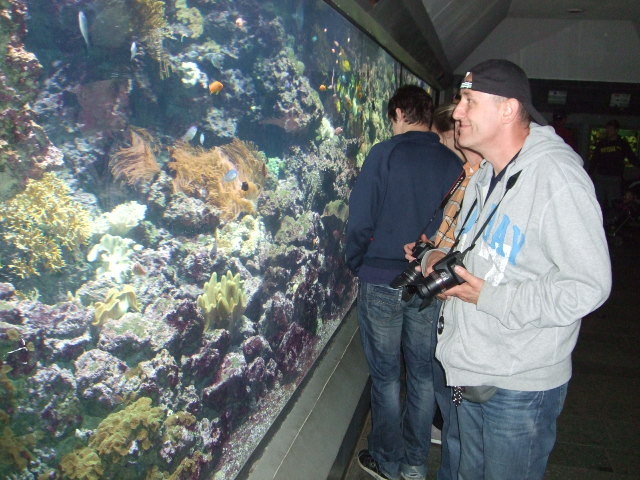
174,178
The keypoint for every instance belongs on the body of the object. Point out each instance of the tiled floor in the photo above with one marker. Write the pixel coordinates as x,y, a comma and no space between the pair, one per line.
599,429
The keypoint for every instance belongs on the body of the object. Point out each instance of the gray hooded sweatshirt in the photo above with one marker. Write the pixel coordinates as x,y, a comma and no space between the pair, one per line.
545,263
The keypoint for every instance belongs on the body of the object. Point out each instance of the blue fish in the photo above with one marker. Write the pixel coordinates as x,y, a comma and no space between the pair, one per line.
231,175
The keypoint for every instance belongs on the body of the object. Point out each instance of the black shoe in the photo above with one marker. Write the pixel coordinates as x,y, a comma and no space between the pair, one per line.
369,465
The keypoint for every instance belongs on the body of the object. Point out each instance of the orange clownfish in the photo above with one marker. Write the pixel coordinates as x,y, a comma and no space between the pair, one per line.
215,87
323,88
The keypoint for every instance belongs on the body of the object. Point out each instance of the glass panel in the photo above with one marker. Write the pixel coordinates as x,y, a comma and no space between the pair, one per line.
174,177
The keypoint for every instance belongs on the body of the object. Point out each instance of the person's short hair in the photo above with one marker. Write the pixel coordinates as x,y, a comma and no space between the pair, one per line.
443,118
613,123
415,103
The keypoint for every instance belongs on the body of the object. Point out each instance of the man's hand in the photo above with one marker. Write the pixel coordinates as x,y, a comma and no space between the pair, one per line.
408,248
468,291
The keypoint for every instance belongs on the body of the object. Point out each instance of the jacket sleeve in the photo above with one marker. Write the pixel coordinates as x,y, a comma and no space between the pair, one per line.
365,202
579,278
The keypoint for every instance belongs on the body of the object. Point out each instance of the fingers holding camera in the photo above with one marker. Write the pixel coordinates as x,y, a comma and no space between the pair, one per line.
469,291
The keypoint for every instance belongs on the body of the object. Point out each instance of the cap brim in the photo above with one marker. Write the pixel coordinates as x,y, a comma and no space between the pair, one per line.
536,115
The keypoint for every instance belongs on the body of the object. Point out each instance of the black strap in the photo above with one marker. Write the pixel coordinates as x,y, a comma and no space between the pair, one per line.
510,183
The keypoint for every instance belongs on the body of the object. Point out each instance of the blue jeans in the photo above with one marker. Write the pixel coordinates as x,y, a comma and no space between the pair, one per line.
450,457
392,329
509,436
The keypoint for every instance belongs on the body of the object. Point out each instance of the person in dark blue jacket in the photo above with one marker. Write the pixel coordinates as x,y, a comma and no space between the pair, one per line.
397,197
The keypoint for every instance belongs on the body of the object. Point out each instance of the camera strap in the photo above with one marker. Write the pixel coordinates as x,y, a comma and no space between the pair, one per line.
444,201
510,183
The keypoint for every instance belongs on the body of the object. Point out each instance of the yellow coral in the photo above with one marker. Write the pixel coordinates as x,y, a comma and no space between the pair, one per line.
82,464
136,164
137,422
117,303
197,169
42,224
223,302
191,17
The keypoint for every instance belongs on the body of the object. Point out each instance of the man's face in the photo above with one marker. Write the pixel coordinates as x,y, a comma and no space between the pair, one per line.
477,117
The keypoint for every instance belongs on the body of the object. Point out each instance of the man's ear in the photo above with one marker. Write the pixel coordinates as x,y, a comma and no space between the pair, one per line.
510,109
399,115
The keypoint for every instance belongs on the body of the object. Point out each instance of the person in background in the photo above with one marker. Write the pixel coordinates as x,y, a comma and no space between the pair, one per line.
559,125
607,168
513,309
396,196
444,125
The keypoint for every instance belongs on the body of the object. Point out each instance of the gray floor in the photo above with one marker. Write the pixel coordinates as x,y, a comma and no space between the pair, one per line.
599,429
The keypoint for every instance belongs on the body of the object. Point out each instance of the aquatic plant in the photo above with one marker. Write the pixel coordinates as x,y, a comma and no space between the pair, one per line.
42,225
201,172
223,302
116,304
153,28
136,164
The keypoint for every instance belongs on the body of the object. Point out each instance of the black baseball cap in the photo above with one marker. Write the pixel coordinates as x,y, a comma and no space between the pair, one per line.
505,79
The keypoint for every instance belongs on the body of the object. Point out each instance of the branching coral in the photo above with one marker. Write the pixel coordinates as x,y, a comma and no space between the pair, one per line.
223,302
229,177
136,164
43,224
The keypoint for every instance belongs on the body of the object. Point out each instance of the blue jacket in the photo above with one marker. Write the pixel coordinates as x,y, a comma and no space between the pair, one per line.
399,190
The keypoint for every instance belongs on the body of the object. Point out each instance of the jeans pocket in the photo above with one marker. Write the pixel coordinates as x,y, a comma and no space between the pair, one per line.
479,394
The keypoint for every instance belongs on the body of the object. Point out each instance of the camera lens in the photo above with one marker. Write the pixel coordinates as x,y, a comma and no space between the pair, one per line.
408,277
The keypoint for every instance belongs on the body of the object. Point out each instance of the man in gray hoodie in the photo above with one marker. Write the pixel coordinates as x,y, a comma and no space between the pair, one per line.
535,262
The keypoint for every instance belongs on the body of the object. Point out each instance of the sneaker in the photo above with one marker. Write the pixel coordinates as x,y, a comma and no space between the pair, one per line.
369,465
412,473
436,435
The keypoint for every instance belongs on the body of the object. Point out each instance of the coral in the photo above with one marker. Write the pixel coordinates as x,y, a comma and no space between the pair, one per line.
153,28
117,303
242,239
223,302
121,219
136,423
206,173
114,253
191,17
136,164
82,464
13,450
42,225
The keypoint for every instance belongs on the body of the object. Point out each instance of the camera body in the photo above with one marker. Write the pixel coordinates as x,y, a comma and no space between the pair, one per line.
409,276
442,278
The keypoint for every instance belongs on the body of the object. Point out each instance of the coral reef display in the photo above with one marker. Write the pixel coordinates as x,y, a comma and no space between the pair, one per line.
174,179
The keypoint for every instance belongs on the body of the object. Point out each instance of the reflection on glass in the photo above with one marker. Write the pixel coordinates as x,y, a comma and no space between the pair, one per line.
174,178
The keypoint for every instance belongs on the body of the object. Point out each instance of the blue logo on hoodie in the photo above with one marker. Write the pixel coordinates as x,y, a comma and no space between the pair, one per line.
497,238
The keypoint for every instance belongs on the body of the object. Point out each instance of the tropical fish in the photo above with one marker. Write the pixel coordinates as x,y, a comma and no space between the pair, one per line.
338,130
231,175
190,133
134,50
323,88
240,22
215,87
202,139
346,65
84,27
244,186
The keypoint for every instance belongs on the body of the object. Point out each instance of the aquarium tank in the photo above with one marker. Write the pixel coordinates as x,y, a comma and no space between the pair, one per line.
174,180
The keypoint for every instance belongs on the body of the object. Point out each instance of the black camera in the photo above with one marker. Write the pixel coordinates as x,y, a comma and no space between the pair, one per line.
442,278
410,275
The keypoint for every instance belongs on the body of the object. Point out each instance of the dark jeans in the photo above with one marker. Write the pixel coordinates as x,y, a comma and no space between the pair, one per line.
392,329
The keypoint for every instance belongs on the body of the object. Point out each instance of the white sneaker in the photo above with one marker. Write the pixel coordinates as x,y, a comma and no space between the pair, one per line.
436,435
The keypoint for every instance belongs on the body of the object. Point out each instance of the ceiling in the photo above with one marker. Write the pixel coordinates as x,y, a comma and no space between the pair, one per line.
435,38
